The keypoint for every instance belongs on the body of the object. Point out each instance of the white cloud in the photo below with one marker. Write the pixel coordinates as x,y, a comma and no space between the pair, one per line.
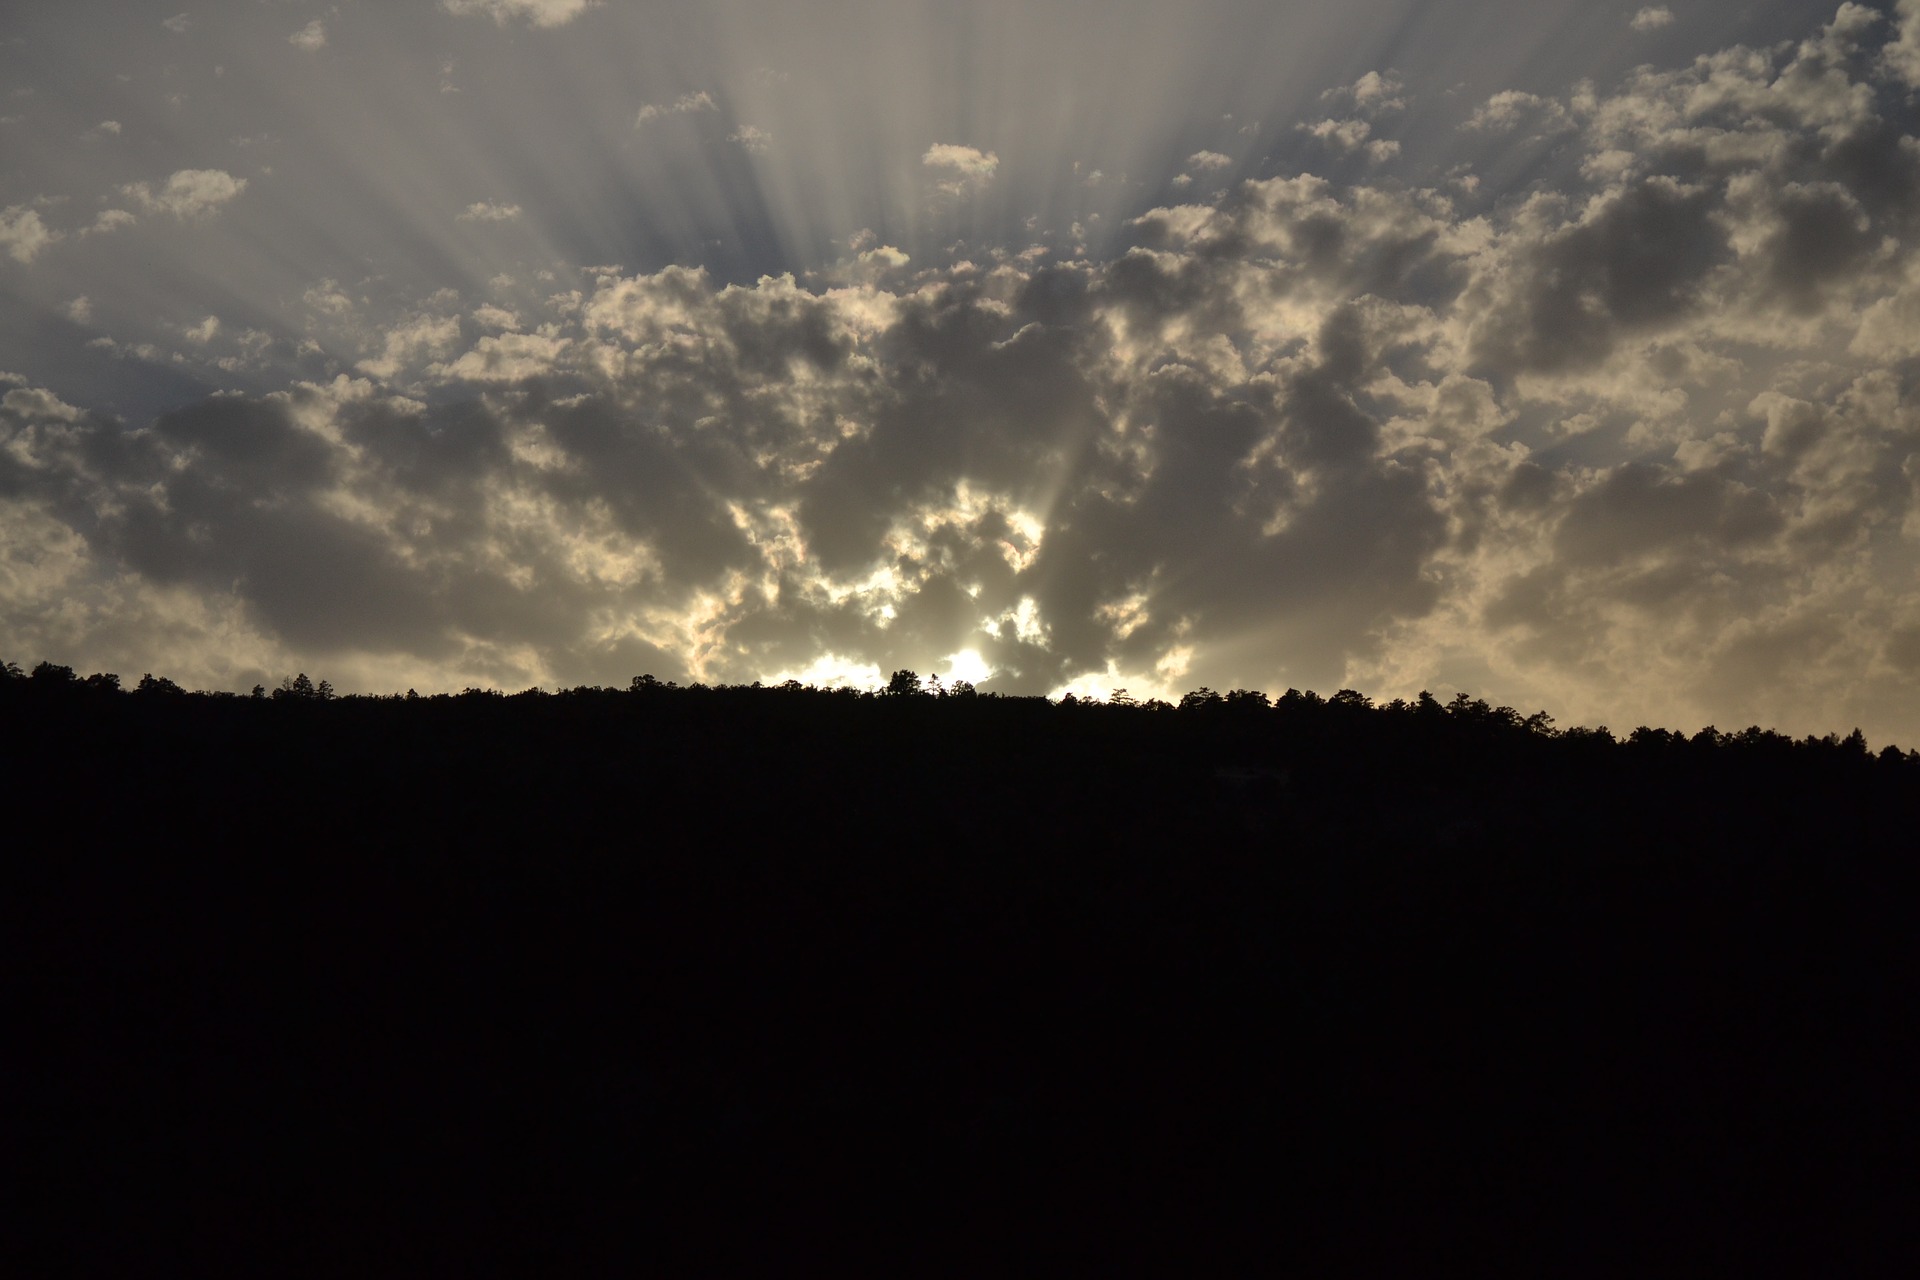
111,127
35,402
756,140
422,338
967,160
965,168
1373,94
328,299
1902,55
23,234
685,104
1651,18
188,193
506,357
488,211
1352,135
110,220
177,24
1511,108
80,310
205,331
310,37
538,13
1206,161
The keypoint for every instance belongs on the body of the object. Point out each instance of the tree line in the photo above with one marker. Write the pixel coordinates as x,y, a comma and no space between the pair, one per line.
1342,713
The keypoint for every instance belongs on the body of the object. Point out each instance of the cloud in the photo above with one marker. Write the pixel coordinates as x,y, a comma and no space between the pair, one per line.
1373,94
1902,54
109,220
420,338
1651,18
712,480
1511,109
970,161
1352,136
177,24
328,299
963,168
311,37
505,358
1209,161
685,104
1565,293
34,403
538,13
488,211
757,141
23,234
884,257
188,193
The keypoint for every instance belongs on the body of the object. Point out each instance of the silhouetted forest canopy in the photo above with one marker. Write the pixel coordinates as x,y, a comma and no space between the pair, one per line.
1293,712
1309,977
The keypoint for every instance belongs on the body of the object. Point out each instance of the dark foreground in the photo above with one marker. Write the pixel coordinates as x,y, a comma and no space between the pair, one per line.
671,981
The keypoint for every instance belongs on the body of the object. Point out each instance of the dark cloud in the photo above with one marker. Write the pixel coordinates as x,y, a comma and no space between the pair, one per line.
1639,509
1635,261
1821,238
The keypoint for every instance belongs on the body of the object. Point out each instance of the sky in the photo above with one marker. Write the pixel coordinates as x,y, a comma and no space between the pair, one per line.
1562,353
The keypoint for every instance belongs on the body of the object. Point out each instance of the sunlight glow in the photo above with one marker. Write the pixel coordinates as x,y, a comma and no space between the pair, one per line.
831,671
967,665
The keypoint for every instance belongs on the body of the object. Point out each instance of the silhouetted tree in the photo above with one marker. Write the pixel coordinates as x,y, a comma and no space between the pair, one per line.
298,687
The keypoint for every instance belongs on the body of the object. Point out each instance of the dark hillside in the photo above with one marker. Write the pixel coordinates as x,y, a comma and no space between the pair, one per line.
686,975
